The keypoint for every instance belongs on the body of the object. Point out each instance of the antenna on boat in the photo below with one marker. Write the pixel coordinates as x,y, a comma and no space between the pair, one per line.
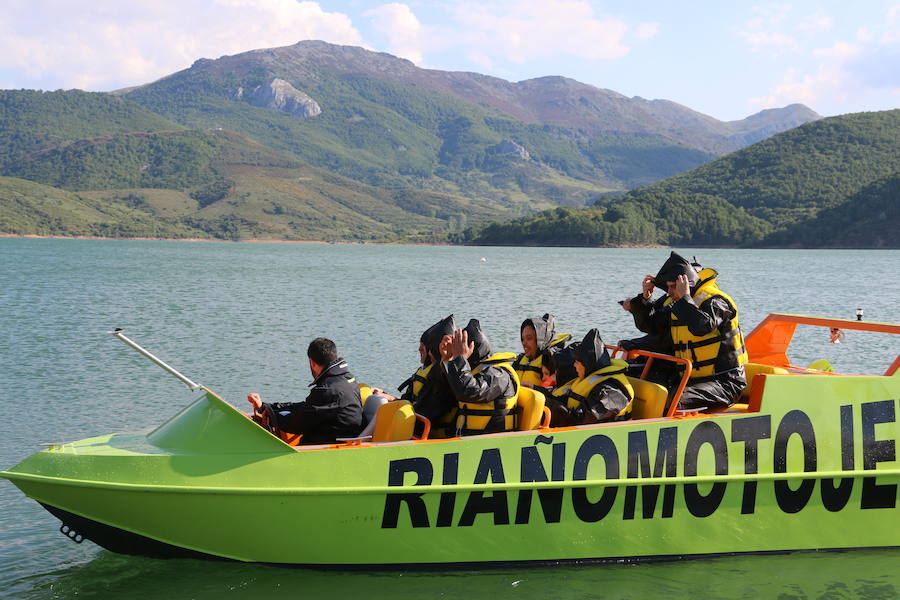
193,386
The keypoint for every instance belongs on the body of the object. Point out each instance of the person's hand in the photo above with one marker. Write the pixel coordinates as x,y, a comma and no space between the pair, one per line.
255,402
461,344
626,304
378,391
446,347
627,345
647,286
682,288
526,384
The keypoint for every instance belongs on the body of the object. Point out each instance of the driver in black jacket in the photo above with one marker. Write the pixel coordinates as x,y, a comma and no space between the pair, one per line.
333,408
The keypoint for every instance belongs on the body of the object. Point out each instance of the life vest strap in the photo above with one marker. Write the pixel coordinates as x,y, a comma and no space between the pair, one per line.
405,384
489,412
531,368
576,396
707,342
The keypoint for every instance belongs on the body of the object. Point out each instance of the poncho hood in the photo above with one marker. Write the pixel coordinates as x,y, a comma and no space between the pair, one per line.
432,336
592,352
483,347
674,266
544,328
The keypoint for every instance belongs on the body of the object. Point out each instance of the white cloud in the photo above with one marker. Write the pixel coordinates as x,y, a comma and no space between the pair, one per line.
839,50
775,42
816,24
764,31
106,44
521,30
767,16
645,31
828,81
866,68
403,30
893,14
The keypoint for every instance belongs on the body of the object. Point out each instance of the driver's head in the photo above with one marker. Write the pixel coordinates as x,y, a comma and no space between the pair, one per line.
321,353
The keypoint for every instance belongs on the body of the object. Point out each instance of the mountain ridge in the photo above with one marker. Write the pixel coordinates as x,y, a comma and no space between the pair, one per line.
433,151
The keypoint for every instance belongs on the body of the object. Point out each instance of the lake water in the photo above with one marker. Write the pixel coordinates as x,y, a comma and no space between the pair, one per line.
238,317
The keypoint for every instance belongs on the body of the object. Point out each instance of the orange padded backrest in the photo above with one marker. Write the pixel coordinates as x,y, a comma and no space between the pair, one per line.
531,408
649,399
394,422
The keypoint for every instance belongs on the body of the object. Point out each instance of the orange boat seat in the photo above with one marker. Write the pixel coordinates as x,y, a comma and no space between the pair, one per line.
649,399
394,422
531,408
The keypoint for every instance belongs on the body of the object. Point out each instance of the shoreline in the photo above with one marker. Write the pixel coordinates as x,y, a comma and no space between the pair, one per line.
345,242
162,239
274,241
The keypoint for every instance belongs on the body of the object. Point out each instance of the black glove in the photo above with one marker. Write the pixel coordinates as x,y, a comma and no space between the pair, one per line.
627,345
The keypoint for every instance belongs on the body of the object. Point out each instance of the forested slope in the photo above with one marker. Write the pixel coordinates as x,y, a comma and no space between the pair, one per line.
825,183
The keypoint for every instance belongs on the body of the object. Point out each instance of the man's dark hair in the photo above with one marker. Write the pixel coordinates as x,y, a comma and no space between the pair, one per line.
322,351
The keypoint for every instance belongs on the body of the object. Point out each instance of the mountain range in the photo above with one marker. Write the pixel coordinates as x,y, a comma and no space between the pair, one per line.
317,141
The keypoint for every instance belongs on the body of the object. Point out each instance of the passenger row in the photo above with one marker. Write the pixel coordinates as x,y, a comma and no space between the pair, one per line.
464,388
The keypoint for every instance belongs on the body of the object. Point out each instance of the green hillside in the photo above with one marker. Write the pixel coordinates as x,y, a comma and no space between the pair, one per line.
222,185
28,208
33,120
796,188
870,218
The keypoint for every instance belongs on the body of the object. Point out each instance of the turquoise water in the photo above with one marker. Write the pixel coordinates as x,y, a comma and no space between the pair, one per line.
237,318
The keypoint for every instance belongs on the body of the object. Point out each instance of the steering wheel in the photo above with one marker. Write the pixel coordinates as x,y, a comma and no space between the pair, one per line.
267,420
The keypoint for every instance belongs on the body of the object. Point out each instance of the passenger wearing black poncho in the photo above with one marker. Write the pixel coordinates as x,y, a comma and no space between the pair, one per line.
700,322
600,393
484,384
434,399
427,388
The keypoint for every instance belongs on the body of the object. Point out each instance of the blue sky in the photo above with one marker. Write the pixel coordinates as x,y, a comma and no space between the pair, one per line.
725,59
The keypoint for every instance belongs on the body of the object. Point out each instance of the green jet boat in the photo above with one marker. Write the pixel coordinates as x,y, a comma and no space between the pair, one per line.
809,461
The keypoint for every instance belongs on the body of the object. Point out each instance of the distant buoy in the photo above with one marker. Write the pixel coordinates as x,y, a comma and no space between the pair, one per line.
483,259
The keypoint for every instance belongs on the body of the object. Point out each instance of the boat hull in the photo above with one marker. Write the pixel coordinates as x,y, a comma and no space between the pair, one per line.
814,468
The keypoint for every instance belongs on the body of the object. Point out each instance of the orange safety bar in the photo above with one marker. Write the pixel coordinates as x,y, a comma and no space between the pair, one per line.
651,356
894,366
769,341
685,376
426,427
545,422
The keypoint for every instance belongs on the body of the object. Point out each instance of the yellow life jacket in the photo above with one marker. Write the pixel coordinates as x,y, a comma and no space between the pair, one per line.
529,371
562,390
417,381
473,418
580,389
719,350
